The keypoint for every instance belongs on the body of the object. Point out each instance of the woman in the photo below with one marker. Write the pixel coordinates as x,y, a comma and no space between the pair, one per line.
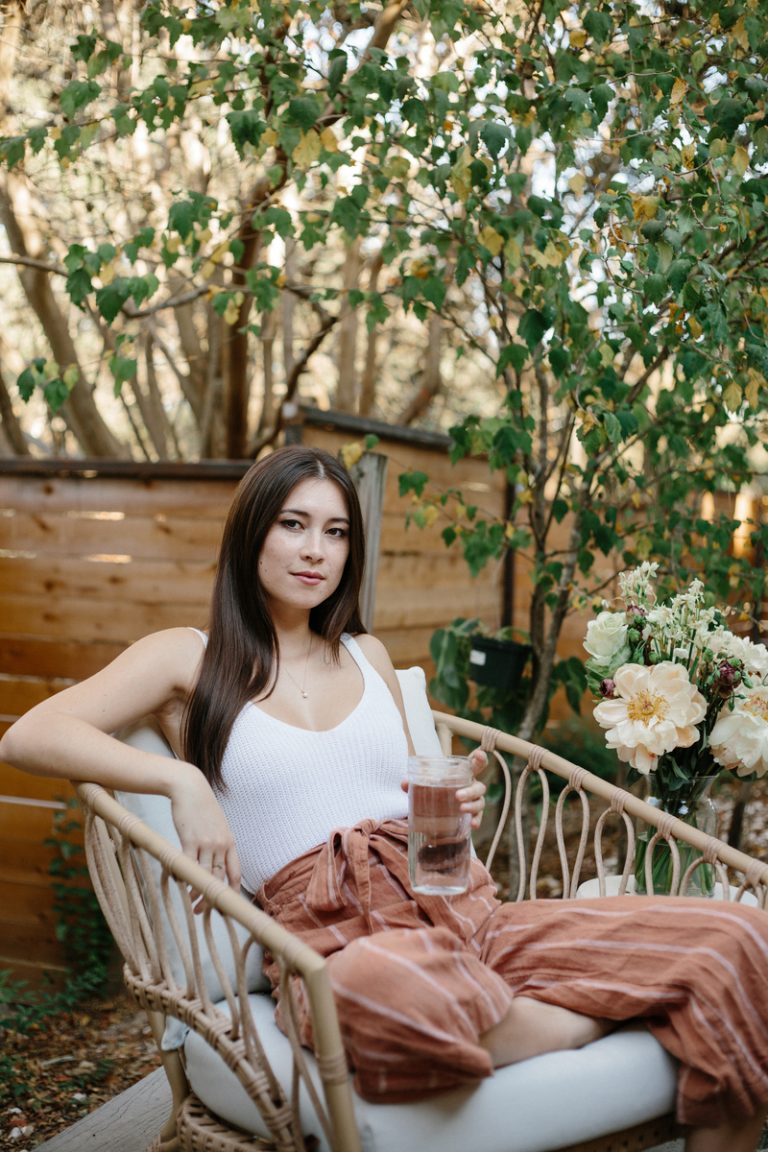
288,725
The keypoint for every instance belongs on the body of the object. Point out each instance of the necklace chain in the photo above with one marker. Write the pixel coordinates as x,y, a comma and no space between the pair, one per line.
303,686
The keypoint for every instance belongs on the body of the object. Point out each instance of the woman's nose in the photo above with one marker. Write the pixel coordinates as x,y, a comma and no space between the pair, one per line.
312,546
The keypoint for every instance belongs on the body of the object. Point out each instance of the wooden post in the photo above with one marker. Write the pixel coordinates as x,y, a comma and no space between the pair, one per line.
369,475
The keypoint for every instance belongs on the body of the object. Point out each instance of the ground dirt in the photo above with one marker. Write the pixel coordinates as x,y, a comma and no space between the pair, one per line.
70,1064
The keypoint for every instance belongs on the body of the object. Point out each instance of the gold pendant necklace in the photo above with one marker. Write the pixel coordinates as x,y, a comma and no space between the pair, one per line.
303,686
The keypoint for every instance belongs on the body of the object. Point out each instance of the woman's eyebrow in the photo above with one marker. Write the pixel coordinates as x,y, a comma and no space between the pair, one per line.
302,512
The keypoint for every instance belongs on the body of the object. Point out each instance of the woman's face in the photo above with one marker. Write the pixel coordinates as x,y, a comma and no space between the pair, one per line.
304,552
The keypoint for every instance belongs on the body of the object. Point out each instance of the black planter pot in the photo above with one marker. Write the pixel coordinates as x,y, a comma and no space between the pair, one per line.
497,663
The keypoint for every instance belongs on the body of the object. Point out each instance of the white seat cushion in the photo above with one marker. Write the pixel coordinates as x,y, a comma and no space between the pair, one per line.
537,1105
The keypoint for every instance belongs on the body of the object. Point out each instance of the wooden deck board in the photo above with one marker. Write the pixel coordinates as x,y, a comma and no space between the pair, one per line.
128,1123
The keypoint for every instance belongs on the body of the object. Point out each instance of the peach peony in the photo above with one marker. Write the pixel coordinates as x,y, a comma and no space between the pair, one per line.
653,711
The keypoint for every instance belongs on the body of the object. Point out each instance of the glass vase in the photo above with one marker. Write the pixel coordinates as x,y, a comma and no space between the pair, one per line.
694,806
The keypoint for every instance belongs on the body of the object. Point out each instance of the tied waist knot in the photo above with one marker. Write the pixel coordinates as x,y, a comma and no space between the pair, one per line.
344,861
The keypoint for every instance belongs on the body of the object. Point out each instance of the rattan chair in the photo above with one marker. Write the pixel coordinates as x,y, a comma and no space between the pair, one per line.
239,1083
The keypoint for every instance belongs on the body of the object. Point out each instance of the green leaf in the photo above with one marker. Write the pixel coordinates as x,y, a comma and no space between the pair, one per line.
77,94
412,482
512,356
111,298
495,136
12,149
79,285
532,327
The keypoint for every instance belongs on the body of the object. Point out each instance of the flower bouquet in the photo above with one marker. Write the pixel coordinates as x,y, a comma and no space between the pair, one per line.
681,698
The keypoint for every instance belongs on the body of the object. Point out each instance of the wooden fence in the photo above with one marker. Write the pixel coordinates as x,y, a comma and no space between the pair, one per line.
94,555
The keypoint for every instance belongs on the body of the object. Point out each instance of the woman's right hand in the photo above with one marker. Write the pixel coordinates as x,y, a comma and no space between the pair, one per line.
202,826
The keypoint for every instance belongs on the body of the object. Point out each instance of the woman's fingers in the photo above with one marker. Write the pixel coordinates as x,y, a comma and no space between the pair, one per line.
479,761
472,799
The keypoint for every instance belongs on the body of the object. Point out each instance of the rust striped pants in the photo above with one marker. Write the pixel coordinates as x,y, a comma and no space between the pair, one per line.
418,979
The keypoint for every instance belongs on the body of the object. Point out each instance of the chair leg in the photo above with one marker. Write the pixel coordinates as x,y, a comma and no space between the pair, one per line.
168,1140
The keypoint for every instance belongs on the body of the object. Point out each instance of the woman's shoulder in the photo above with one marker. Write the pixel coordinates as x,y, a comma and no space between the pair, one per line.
375,652
177,651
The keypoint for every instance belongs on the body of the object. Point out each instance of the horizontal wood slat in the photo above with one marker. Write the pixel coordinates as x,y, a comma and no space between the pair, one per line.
25,786
50,658
135,537
90,620
19,695
202,499
138,581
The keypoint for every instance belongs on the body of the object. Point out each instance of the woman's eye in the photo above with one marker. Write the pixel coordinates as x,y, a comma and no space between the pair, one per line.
288,523
340,533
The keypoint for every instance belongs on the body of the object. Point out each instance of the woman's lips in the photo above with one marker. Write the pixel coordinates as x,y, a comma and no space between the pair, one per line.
309,578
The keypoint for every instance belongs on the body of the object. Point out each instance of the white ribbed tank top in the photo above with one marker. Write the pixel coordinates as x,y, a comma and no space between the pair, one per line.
287,788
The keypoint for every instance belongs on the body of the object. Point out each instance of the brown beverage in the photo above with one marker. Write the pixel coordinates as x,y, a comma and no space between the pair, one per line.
439,833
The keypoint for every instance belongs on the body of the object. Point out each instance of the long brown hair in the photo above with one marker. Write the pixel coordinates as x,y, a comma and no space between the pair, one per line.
242,642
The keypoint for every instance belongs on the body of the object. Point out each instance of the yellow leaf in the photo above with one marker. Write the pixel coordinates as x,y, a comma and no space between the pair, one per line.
552,256
637,500
732,396
461,180
577,183
328,140
431,514
269,138
740,34
71,376
679,89
588,420
525,496
107,272
689,155
752,391
351,453
740,160
307,150
694,327
513,252
577,37
491,239
232,310
645,207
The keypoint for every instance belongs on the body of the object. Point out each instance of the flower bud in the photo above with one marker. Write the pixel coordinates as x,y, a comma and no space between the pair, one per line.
607,688
728,678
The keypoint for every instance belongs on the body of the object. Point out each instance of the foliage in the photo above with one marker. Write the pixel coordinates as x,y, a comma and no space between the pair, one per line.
609,203
26,1016
89,951
80,924
500,707
576,191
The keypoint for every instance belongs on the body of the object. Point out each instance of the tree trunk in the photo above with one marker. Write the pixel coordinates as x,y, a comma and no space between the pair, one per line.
370,366
431,379
11,428
79,411
347,383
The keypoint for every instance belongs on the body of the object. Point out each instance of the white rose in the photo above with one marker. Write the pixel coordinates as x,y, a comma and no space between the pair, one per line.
607,637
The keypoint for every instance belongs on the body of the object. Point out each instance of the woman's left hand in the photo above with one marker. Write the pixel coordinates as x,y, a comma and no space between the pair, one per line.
472,798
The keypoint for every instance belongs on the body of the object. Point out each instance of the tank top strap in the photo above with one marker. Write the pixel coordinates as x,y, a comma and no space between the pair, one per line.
203,635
